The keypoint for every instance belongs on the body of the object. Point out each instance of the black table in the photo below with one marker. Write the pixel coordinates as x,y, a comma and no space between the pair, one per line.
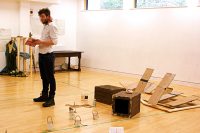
70,54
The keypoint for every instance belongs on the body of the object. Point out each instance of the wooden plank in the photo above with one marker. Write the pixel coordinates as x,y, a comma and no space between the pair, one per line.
24,50
147,74
182,101
184,108
167,96
18,52
176,93
141,86
168,90
161,88
155,106
31,61
150,89
170,95
144,80
169,110
31,58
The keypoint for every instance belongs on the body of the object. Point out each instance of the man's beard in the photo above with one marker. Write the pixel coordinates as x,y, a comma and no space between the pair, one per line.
45,22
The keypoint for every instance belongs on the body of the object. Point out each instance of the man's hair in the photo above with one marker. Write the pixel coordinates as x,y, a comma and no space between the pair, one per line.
45,11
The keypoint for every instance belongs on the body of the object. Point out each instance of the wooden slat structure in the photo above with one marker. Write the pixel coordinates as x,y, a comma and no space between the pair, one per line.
18,39
31,58
161,88
140,87
20,42
163,93
24,60
144,80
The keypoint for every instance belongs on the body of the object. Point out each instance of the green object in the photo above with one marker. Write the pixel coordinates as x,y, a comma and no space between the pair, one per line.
11,65
11,55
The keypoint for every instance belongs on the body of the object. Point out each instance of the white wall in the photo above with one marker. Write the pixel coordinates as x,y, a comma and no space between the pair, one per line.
9,14
131,40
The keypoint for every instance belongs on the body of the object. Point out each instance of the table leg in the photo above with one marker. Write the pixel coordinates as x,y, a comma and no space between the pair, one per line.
79,63
69,63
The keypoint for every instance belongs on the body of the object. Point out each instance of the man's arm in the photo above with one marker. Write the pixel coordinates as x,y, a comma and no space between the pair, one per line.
34,42
46,42
52,41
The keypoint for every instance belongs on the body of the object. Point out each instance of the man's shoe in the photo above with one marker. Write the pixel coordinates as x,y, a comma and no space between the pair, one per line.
41,99
49,103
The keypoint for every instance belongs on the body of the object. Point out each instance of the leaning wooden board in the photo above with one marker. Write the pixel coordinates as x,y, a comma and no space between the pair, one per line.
161,88
144,80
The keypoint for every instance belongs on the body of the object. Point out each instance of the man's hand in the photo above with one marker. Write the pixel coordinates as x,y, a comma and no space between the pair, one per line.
37,41
32,42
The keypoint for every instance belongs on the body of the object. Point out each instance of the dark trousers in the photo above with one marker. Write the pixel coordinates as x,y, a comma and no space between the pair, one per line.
46,64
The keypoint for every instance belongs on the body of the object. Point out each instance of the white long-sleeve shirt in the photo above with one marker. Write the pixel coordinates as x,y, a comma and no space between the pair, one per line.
49,32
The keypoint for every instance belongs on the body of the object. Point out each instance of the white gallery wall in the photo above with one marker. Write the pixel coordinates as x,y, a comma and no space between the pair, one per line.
9,14
167,40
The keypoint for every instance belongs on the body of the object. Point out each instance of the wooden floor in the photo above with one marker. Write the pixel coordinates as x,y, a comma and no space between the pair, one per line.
18,114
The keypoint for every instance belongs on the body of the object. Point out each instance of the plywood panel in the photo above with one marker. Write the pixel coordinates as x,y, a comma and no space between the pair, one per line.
182,101
160,89
144,80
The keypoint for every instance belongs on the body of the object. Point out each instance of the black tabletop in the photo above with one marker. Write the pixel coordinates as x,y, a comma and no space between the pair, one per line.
67,51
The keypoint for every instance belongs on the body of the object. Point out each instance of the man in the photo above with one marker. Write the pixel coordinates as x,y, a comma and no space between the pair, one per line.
46,57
